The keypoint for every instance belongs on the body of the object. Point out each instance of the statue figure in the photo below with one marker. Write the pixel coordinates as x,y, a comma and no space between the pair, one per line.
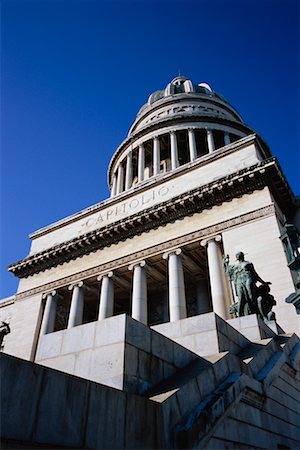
265,303
4,330
244,278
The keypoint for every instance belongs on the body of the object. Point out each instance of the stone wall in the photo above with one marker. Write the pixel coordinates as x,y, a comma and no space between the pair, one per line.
44,406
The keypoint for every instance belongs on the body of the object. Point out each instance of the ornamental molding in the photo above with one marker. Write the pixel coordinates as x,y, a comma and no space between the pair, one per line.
144,186
166,247
195,201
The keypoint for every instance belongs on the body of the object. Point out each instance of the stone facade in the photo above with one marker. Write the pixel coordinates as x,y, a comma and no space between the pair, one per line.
189,184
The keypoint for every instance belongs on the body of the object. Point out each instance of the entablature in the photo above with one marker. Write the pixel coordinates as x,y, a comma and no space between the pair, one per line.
265,173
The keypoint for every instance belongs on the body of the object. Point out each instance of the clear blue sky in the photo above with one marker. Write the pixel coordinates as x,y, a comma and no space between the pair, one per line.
75,73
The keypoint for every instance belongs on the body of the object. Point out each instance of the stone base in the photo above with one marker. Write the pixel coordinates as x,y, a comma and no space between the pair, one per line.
119,352
206,334
253,328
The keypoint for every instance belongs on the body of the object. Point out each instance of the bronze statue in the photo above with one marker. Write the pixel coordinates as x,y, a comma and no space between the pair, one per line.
251,298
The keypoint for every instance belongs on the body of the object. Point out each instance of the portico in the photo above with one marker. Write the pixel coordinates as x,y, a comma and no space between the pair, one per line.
168,286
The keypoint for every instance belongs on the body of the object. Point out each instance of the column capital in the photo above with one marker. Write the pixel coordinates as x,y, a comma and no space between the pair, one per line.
156,136
52,293
138,263
141,145
176,251
172,131
191,128
78,284
107,274
216,238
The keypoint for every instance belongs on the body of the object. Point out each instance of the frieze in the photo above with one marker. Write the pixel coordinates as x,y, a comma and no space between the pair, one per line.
191,109
152,251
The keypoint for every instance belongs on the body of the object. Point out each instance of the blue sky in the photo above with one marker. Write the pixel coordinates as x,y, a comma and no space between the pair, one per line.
75,73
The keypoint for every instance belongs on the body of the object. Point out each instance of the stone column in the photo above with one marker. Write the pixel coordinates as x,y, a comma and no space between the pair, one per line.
49,313
174,150
210,141
226,138
203,303
106,307
120,179
219,291
76,309
192,144
128,178
141,163
177,300
114,186
156,155
139,292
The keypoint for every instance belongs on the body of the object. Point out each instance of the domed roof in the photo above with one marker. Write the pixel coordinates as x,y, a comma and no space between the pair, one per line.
181,85
181,90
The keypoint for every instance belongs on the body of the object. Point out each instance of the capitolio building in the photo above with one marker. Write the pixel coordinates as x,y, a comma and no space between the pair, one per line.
165,316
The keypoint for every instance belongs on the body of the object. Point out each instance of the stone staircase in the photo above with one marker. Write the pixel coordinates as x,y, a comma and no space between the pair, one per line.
196,383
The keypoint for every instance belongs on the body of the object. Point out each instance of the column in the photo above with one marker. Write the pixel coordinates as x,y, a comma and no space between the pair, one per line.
128,178
219,291
210,141
114,186
139,292
226,138
156,156
120,179
141,163
203,303
177,300
192,144
174,150
49,313
106,307
76,310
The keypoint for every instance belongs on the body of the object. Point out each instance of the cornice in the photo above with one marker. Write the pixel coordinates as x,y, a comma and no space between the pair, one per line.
166,246
266,173
152,182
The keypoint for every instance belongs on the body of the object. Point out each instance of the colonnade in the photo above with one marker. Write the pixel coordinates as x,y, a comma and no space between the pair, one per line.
176,288
123,176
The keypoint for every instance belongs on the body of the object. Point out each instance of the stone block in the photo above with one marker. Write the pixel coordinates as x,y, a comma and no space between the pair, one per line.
61,410
50,345
138,334
188,396
162,347
198,324
20,391
83,364
78,338
141,434
110,331
64,363
205,343
107,363
169,329
105,418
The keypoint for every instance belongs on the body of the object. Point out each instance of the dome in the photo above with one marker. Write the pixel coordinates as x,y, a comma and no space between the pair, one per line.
178,125
181,85
180,89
